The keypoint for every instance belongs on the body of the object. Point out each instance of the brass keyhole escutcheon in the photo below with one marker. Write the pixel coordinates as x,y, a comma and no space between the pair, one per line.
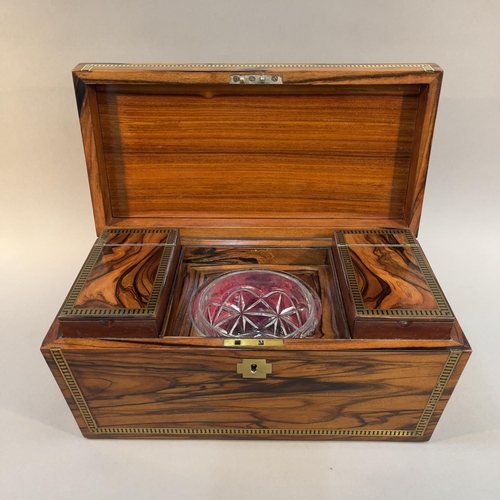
254,368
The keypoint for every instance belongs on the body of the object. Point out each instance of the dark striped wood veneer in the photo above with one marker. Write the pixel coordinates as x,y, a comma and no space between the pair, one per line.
123,287
388,287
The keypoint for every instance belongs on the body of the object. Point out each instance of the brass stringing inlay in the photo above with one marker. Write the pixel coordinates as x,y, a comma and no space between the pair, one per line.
343,248
74,388
68,308
444,377
424,67
171,234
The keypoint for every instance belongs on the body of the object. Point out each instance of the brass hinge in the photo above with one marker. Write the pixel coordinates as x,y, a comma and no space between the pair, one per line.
256,79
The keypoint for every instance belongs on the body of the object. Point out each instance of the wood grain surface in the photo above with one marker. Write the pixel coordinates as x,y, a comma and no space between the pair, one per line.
334,146
122,278
258,155
123,287
389,277
195,390
145,237
54,339
293,74
387,286
94,156
203,264
318,389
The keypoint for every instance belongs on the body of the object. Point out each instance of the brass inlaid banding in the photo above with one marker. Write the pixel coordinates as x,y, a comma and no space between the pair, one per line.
437,392
425,67
444,377
73,387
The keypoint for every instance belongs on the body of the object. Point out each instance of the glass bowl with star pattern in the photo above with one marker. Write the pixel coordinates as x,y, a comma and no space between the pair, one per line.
256,303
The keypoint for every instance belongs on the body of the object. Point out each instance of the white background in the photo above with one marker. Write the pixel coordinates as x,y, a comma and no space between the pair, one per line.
47,230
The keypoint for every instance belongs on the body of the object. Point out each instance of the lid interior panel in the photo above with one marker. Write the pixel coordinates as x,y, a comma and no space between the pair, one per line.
281,153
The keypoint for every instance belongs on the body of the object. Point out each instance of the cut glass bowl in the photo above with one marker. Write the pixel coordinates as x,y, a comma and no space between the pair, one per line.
255,303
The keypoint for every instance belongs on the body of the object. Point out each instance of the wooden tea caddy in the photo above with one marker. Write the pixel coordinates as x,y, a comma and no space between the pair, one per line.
315,170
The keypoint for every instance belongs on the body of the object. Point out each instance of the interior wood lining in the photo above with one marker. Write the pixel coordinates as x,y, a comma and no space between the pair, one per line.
339,154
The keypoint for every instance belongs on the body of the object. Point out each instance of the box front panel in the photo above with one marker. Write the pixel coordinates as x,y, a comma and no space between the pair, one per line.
159,392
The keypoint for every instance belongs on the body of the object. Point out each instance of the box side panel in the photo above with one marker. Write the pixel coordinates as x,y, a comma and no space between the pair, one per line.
111,328
424,132
446,394
69,391
94,155
160,392
402,329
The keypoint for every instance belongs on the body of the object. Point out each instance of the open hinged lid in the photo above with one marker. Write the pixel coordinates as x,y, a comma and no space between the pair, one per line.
257,150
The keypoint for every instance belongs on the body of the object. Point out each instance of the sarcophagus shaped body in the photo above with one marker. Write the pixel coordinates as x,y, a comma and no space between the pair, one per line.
310,176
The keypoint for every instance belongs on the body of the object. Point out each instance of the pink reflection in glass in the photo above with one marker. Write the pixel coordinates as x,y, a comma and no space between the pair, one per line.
256,303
